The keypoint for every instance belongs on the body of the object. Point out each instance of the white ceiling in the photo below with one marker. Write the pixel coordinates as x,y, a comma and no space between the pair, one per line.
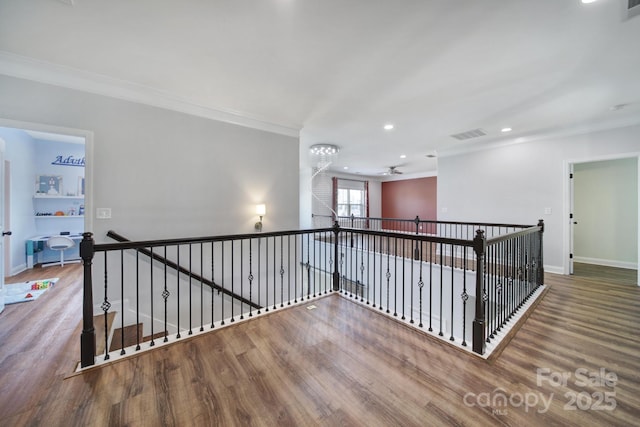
338,70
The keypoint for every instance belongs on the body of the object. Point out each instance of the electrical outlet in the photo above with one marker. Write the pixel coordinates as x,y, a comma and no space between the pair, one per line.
103,213
547,211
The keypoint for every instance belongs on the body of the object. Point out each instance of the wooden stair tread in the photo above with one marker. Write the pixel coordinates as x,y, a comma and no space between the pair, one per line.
98,325
131,334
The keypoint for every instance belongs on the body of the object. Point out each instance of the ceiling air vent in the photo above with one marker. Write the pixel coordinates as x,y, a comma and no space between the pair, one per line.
631,8
475,133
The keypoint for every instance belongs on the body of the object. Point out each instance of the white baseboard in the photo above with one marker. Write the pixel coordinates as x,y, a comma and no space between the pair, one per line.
606,262
18,269
553,269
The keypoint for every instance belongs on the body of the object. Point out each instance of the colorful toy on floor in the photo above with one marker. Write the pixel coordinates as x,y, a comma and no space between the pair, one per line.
41,284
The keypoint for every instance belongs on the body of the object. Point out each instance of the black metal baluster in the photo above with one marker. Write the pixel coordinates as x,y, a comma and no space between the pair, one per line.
178,289
137,299
250,277
190,289
351,276
213,279
368,266
431,255
315,265
201,287
152,343
274,273
326,276
222,283
404,261
289,270
395,277
373,286
308,265
417,255
259,271
281,272
388,273
420,287
242,279
381,240
361,269
233,266
106,305
295,257
453,259
122,351
165,296
465,297
440,312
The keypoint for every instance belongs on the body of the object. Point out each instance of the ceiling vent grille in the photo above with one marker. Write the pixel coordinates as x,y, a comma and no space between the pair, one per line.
475,133
631,9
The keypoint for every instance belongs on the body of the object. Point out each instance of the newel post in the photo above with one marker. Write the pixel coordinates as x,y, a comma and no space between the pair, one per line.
336,251
88,337
479,246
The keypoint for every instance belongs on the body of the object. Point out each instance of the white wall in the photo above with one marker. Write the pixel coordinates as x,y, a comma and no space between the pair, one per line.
21,152
165,174
606,212
168,174
517,182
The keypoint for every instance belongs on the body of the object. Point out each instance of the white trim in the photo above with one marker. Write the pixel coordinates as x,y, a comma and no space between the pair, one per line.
46,72
18,269
554,269
606,262
88,154
567,202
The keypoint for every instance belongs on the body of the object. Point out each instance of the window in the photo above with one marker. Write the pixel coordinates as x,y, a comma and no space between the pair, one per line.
351,202
350,198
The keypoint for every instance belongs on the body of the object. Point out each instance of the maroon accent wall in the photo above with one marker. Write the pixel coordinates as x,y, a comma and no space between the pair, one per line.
410,197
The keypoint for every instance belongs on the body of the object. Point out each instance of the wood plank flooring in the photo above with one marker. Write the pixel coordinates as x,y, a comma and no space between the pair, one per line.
338,364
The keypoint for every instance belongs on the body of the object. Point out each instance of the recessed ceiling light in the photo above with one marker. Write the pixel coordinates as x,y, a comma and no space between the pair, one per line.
388,126
506,130
588,1
403,156
346,167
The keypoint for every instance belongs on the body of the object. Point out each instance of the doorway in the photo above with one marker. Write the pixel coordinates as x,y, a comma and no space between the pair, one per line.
603,213
49,154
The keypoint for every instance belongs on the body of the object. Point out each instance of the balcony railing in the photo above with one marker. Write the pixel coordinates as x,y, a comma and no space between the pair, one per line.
462,287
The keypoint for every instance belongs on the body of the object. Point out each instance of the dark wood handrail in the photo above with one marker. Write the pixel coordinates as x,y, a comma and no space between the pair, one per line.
113,235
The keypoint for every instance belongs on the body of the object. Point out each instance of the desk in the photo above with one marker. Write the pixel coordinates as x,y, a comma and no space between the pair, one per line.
37,251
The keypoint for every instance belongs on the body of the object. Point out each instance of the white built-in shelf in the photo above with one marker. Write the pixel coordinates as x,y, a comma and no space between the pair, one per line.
58,216
47,196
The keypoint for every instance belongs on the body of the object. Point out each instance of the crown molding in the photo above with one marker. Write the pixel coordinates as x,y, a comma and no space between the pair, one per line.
58,75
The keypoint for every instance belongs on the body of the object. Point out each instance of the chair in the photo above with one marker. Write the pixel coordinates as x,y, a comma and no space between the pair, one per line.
60,243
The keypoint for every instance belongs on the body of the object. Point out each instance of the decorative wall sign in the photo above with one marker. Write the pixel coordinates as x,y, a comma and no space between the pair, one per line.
68,161
49,184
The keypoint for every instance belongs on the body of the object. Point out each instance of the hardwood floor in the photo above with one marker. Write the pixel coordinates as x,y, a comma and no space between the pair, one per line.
338,364
590,272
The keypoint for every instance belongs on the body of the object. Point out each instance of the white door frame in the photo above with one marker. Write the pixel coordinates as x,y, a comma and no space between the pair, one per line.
88,153
568,203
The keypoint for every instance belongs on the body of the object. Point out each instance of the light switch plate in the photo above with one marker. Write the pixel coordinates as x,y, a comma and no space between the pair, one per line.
103,213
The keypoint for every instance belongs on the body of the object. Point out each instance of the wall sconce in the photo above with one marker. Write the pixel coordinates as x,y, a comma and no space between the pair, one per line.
261,210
